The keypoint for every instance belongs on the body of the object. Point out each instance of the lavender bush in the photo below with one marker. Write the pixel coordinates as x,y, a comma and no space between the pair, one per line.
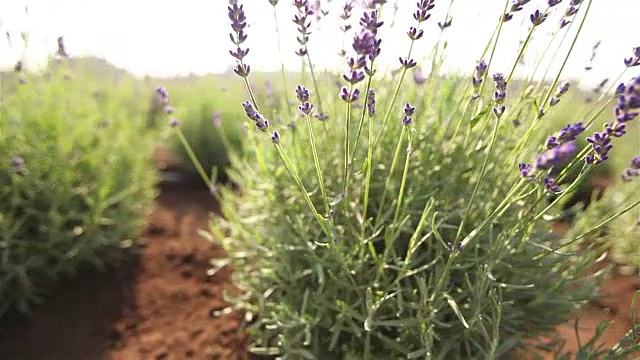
413,219
74,189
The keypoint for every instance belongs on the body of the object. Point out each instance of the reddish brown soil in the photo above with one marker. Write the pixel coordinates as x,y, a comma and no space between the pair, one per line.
614,305
160,304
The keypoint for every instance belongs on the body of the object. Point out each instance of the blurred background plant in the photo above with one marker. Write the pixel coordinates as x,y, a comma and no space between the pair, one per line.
77,178
210,124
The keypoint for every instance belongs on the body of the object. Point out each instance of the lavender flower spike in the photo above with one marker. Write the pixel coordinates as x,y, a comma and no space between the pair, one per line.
371,102
537,18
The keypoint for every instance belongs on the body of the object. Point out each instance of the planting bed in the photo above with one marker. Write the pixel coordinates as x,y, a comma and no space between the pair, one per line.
159,306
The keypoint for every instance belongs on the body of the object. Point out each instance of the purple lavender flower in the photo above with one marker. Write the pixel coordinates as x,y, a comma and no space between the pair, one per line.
616,130
174,122
562,89
263,125
409,109
346,10
366,46
305,108
480,71
415,34
163,96
251,112
632,171
347,96
275,137
445,24
371,102
302,93
407,63
526,171
634,60
217,119
354,76
17,162
552,142
238,24
499,95
321,116
537,18
424,6
239,53
358,63
550,185
302,20
570,132
555,156
303,96
369,21
364,42
625,111
601,144
419,76
571,10
501,83
516,6
457,249
553,3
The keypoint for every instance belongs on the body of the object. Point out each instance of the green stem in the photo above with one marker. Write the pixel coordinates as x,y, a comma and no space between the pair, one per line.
494,136
282,69
521,52
564,63
193,158
613,217
289,167
315,83
387,182
395,94
345,179
484,80
361,124
317,164
367,186
403,183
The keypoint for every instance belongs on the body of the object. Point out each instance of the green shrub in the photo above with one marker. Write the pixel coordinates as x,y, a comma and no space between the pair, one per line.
210,126
393,231
212,134
84,188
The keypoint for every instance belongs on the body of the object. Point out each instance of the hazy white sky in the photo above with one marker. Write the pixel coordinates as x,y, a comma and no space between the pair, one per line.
179,37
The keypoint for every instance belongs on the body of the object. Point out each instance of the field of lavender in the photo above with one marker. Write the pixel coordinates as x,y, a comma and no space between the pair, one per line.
369,213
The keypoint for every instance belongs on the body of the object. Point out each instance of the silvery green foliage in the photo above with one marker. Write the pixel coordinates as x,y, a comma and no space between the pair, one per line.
73,187
416,224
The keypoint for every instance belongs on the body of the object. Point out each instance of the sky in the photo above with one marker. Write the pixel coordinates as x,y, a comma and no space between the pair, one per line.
192,36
